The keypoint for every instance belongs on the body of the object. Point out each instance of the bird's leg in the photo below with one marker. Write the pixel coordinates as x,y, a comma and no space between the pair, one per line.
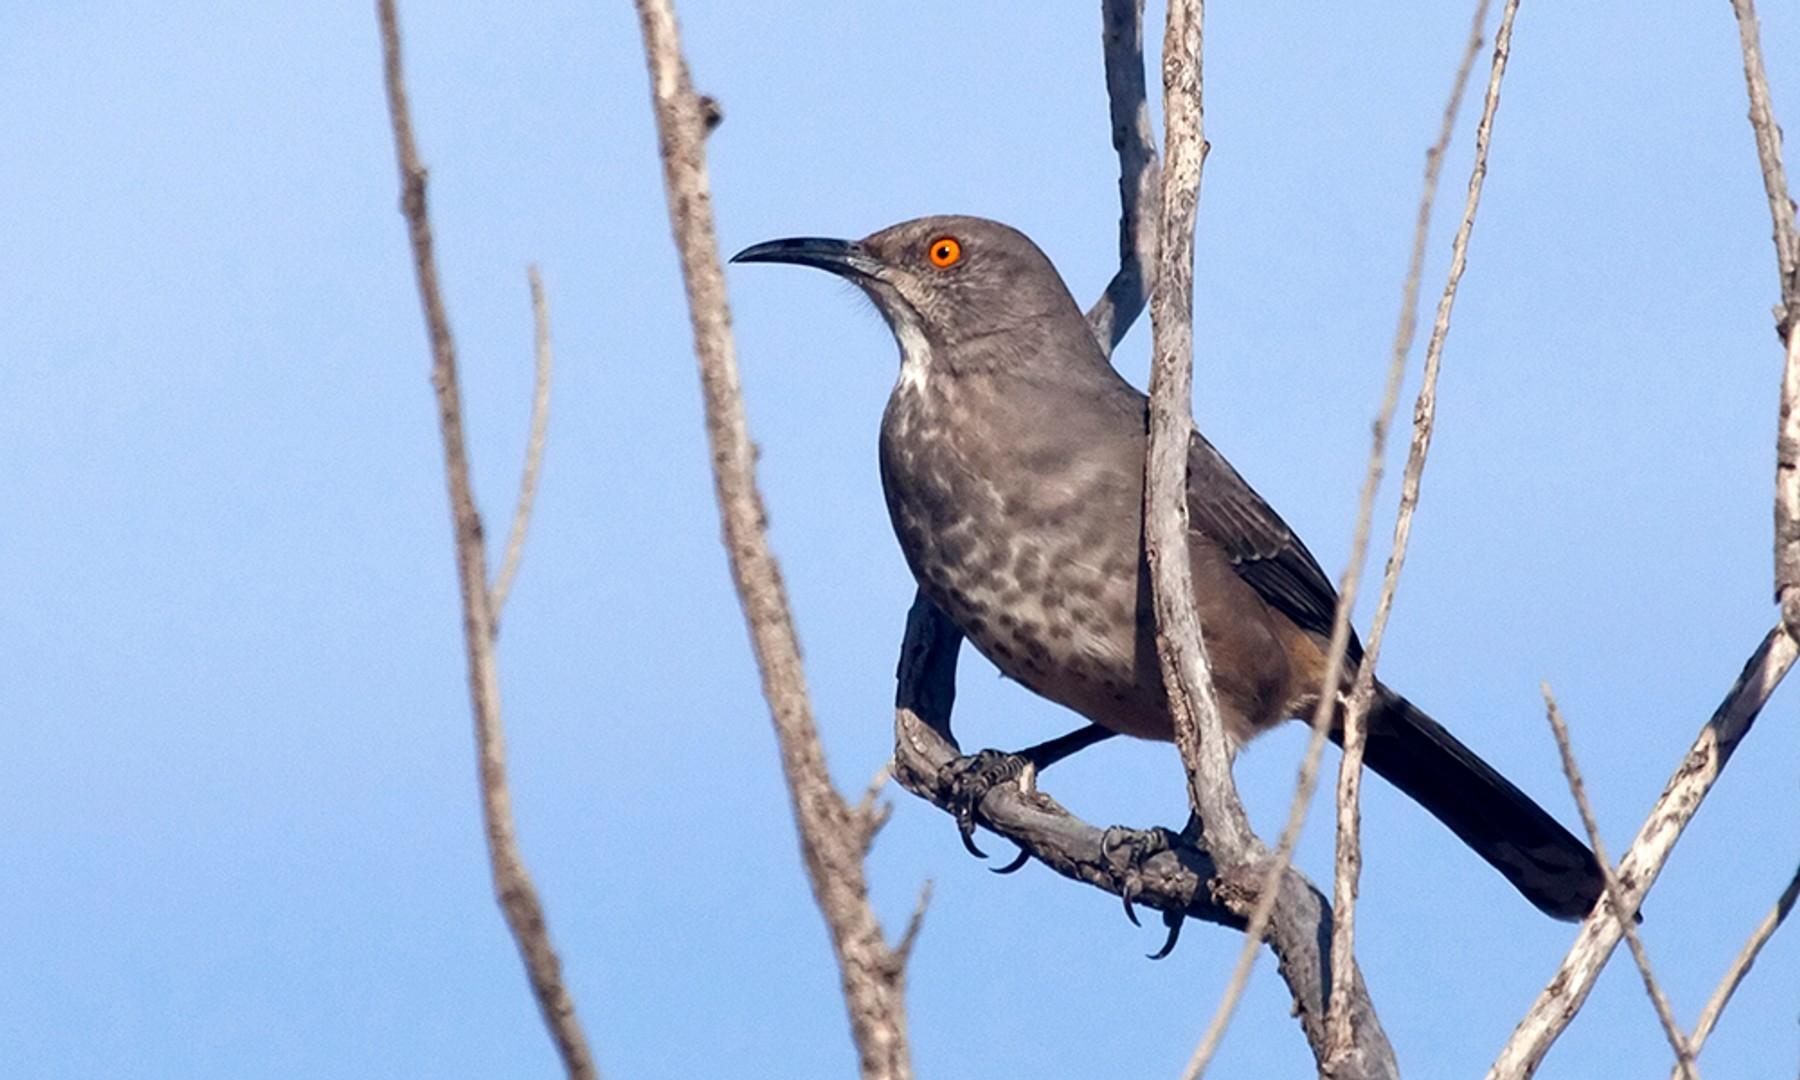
1051,751
973,776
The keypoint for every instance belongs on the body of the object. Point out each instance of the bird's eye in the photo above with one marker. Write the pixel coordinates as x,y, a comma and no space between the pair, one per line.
945,251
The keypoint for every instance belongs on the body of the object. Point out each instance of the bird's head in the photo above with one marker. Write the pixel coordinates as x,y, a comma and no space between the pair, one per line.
949,279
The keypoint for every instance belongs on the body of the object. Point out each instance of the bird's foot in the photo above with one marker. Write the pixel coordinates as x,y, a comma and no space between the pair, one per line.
971,778
1126,851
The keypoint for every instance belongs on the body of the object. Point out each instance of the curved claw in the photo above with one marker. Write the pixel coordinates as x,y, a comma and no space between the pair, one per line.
1017,864
1128,894
965,825
1172,920
1139,846
970,780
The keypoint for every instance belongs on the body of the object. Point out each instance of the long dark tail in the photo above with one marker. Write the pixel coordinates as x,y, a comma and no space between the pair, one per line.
1543,860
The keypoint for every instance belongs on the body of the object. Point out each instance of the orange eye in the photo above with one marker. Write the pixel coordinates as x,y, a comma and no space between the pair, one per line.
945,251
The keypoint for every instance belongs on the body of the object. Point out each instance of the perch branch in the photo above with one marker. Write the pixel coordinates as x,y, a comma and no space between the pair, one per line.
1172,875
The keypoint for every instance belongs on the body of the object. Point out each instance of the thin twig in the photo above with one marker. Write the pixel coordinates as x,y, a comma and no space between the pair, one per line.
866,806
870,814
903,949
1122,39
1180,642
1424,412
1698,770
512,884
1768,154
1627,917
1349,791
832,836
1743,962
534,449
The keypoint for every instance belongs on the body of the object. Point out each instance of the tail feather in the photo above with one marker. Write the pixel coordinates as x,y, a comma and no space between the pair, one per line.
1543,860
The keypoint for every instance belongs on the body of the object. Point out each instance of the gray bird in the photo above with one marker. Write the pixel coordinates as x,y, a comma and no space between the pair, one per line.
1012,457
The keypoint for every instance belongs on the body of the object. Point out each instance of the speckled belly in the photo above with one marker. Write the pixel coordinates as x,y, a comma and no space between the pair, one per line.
1045,585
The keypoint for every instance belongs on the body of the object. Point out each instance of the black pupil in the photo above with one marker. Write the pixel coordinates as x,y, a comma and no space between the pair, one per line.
943,252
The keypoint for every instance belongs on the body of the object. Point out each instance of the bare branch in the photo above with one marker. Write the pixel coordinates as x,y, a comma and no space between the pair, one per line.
1743,962
1787,314
1562,998
534,450
512,884
1767,132
1348,862
831,835
1122,37
1193,707
1424,414
1627,917
1787,487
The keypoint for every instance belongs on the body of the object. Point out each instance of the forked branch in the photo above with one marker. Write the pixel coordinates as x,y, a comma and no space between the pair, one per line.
1694,777
512,884
1140,178
1562,998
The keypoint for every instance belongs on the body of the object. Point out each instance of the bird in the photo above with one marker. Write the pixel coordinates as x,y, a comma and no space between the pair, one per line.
1012,463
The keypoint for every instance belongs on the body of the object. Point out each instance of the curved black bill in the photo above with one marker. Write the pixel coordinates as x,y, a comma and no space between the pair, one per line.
845,258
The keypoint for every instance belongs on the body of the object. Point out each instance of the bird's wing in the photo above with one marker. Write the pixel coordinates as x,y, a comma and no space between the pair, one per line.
1261,547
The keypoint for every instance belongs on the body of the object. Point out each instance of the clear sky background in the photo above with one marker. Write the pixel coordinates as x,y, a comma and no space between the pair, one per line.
239,826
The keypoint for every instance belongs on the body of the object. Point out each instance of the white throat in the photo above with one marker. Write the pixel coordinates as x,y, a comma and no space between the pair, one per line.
915,351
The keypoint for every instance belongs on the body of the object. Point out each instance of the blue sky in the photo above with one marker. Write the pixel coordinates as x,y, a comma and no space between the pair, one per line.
239,828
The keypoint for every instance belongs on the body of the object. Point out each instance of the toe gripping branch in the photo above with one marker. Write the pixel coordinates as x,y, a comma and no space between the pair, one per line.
966,781
1155,868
